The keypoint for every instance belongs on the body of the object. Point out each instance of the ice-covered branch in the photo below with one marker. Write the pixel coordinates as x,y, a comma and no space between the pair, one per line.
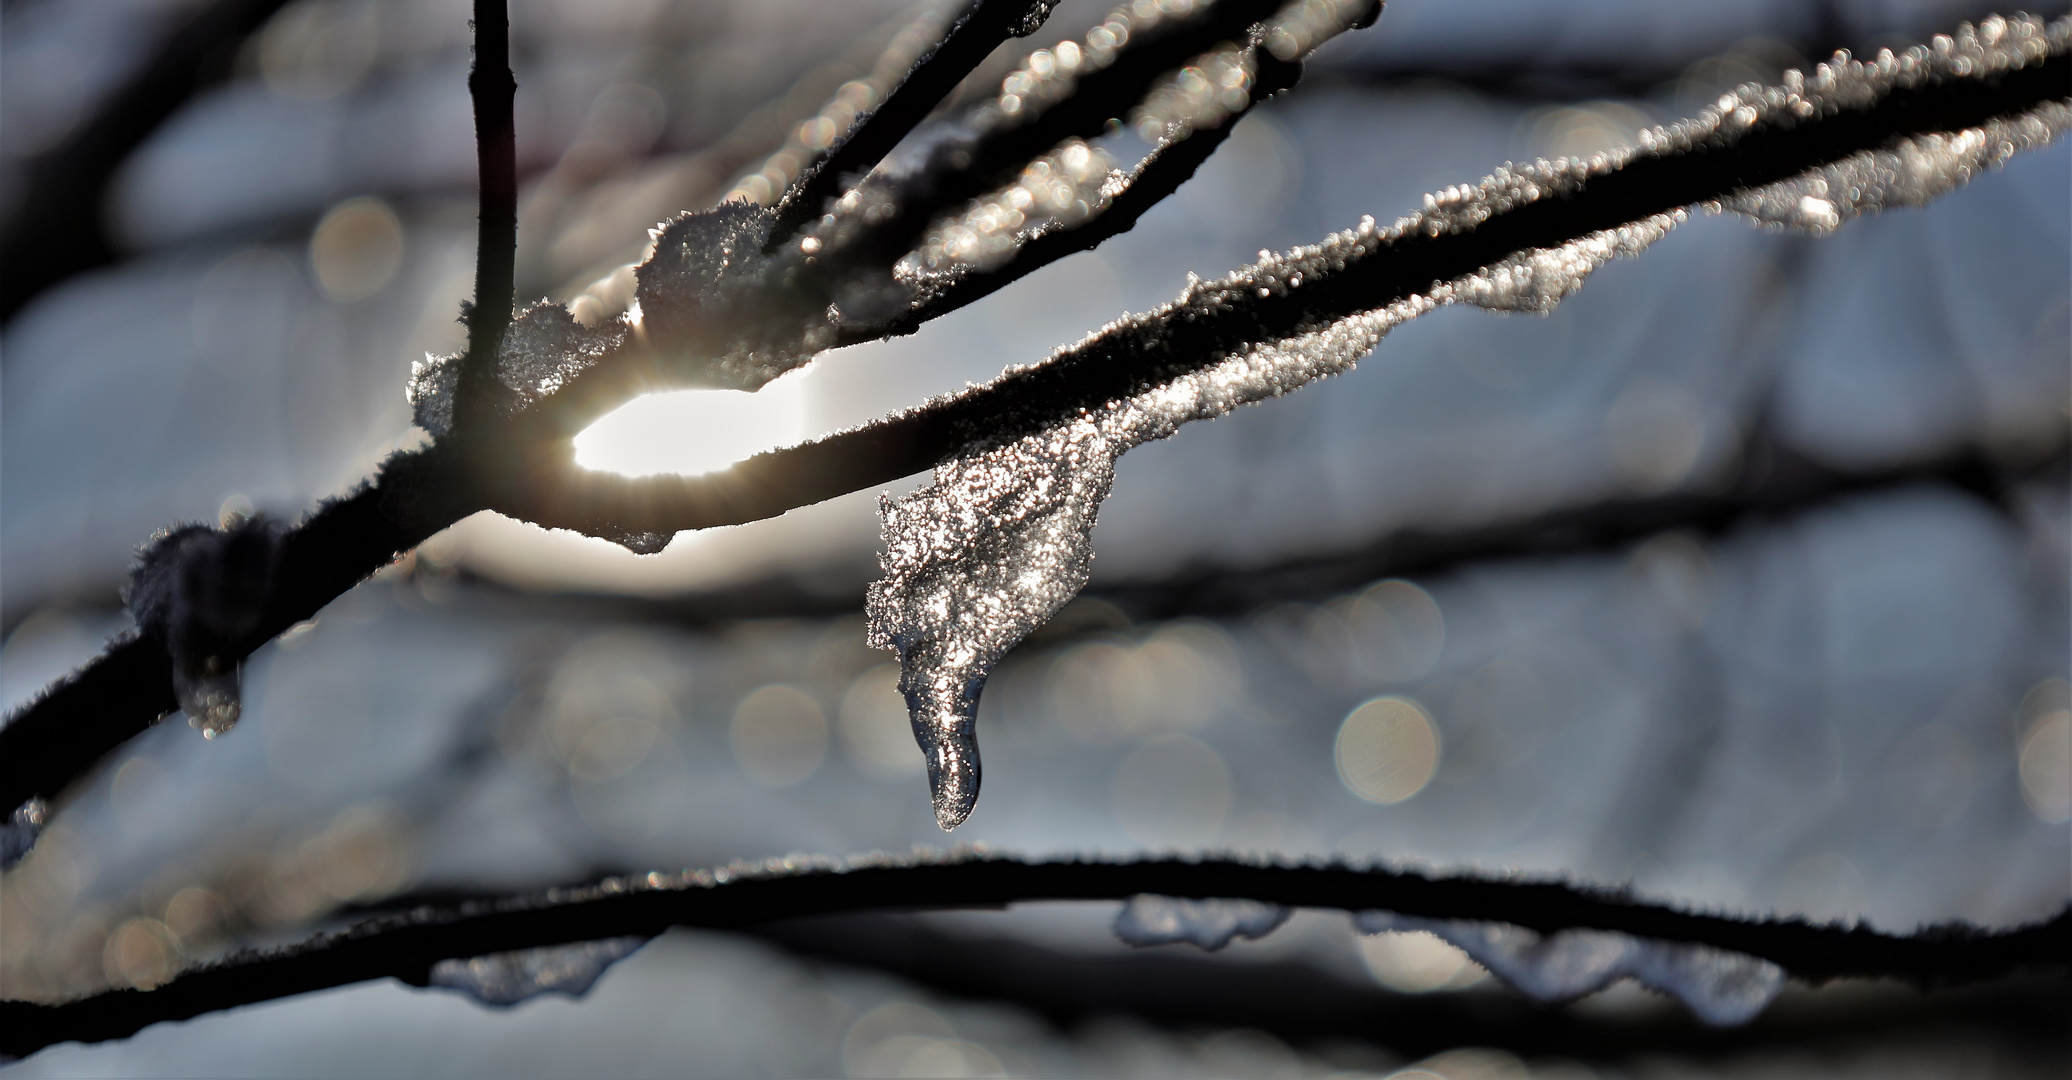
969,40
413,945
1896,115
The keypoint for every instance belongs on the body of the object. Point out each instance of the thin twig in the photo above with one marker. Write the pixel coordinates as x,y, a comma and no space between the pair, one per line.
494,90
406,946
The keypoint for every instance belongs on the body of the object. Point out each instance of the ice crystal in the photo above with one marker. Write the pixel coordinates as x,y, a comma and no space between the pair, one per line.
1720,987
998,542
1148,919
507,978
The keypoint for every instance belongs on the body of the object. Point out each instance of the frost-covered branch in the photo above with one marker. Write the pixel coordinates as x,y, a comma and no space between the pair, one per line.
970,39
413,945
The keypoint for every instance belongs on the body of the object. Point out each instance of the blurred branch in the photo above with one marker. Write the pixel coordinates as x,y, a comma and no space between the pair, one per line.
55,228
406,946
1773,483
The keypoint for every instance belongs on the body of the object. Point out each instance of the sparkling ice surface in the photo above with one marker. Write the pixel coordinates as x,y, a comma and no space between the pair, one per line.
1721,988
999,541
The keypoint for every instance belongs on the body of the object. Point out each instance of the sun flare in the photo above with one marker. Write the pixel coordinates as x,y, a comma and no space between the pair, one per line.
693,431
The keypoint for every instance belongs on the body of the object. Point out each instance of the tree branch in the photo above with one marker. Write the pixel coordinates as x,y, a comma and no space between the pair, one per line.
1144,351
406,946
478,399
970,40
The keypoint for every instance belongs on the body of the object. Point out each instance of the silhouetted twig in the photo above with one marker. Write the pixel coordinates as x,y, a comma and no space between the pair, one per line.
56,227
494,90
406,946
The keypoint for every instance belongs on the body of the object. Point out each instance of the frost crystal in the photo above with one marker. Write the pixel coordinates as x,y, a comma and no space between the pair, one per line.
1721,988
999,542
507,978
1148,919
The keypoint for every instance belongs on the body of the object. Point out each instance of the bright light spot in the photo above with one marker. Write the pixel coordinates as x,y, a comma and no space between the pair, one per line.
2046,767
1418,963
1387,750
875,728
694,431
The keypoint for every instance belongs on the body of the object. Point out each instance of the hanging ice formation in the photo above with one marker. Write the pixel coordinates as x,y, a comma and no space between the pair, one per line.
1149,919
507,978
1721,988
999,541
203,592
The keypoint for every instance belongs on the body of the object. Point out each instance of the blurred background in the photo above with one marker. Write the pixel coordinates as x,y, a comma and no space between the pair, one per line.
1741,578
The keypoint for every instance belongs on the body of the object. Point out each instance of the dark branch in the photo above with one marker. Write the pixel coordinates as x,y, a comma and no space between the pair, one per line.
55,229
477,400
962,169
406,946
970,40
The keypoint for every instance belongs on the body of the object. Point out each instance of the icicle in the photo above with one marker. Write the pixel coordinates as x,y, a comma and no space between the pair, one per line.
975,561
1721,988
507,978
1149,919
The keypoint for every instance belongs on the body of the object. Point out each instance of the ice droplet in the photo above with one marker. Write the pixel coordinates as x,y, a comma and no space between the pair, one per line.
1721,988
507,978
1149,919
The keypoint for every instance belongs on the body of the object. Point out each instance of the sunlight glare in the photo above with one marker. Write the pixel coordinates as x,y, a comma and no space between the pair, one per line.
694,431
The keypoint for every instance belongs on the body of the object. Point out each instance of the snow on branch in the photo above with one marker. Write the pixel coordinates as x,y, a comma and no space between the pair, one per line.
423,945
